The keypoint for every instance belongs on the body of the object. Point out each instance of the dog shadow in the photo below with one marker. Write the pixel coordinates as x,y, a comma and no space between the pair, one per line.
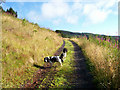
41,67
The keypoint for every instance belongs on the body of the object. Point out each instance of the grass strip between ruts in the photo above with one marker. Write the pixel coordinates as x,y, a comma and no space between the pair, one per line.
60,77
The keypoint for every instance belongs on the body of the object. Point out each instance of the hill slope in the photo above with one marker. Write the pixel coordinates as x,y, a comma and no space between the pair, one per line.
23,44
68,34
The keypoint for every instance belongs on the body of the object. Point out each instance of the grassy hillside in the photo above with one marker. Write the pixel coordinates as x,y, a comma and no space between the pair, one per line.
68,34
23,44
103,61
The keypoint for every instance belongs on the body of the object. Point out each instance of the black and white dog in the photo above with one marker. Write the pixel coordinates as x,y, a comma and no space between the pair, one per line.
59,59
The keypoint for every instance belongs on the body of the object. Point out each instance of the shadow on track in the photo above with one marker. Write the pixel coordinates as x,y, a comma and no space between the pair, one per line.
40,67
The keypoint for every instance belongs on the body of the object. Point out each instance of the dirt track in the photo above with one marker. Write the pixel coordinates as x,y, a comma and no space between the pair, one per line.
41,73
82,76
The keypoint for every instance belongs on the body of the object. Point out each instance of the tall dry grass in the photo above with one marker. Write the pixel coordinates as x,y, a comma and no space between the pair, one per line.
103,62
23,44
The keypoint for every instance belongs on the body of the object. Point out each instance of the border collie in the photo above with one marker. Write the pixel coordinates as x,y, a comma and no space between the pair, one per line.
59,59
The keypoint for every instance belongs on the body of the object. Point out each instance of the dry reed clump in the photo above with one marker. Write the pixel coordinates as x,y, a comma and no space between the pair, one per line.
105,61
22,46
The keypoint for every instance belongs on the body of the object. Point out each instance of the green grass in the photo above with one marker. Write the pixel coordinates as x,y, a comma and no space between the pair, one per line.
61,76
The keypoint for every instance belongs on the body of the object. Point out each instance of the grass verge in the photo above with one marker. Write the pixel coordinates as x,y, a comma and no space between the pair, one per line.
103,62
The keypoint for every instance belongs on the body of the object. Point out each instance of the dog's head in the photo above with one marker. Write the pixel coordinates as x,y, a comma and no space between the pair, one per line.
64,50
46,59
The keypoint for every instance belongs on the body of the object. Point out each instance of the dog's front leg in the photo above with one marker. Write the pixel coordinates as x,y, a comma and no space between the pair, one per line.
51,63
60,62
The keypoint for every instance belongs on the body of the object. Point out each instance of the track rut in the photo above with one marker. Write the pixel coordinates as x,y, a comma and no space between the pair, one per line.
82,77
41,73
